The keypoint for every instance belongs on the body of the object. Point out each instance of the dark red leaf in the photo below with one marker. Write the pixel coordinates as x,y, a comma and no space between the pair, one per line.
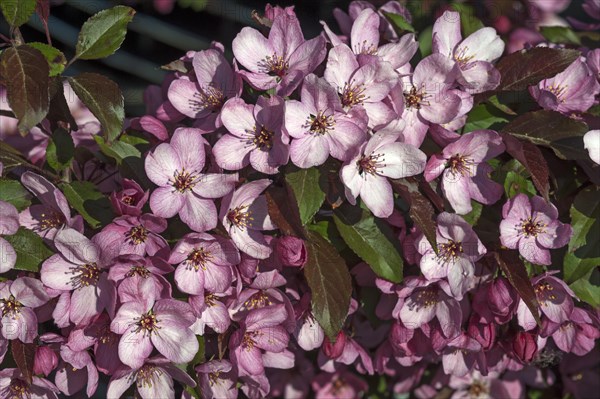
531,157
59,114
283,210
23,355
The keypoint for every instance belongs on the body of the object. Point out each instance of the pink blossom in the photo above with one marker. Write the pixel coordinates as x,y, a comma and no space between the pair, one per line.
496,301
465,171
255,136
339,385
18,298
130,200
460,355
365,175
210,311
292,251
591,141
575,335
9,224
129,271
320,127
153,379
176,168
217,380
308,333
532,226
244,213
280,61
45,361
14,384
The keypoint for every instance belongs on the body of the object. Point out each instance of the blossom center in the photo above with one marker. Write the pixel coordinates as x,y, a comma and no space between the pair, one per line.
85,275
138,270
365,48
10,306
321,123
459,165
477,389
105,336
240,216
558,90
147,323
208,98
544,292
137,234
530,227
461,56
248,341
450,251
51,220
276,65
337,386
184,181
128,199
414,98
198,258
213,378
424,299
263,139
210,299
145,375
19,389
258,300
352,94
370,164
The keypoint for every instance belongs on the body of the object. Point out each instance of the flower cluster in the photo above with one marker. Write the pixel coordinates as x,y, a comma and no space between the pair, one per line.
197,276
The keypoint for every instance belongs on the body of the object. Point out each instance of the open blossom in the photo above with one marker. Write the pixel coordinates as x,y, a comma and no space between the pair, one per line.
52,213
591,141
473,55
362,86
210,311
203,98
576,335
205,262
280,61
147,323
9,224
129,271
244,213
153,379
465,171
130,200
366,174
78,268
320,127
217,380
176,168
572,90
13,384
18,298
458,250
532,226
339,385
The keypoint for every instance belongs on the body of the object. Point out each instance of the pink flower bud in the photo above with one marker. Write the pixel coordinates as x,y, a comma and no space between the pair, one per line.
130,200
335,350
292,251
502,300
524,346
484,333
45,360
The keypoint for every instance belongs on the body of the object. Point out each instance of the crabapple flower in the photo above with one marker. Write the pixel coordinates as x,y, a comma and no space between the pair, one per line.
361,86
244,213
460,355
339,385
44,361
465,171
366,174
591,141
217,380
458,250
572,90
309,334
78,268
255,136
576,335
147,323
9,224
153,379
205,262
18,298
129,271
280,61
130,200
203,98
53,213
473,55
320,127
524,346
532,226
291,251
496,301
210,311
13,384
176,168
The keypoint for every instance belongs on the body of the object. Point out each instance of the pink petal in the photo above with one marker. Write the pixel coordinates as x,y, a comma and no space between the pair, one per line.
134,347
250,48
161,164
199,214
166,202
189,144
176,344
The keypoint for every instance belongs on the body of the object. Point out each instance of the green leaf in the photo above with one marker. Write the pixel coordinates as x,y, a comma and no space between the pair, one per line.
400,24
90,203
56,59
305,186
469,23
330,284
531,157
583,253
26,73
528,67
17,12
60,150
10,157
13,192
31,250
551,129
473,217
118,150
371,239
425,38
560,34
587,292
103,97
516,184
484,116
103,33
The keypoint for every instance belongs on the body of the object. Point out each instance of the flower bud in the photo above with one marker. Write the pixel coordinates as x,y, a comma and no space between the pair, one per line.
130,200
292,251
45,360
524,346
484,333
502,300
335,350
